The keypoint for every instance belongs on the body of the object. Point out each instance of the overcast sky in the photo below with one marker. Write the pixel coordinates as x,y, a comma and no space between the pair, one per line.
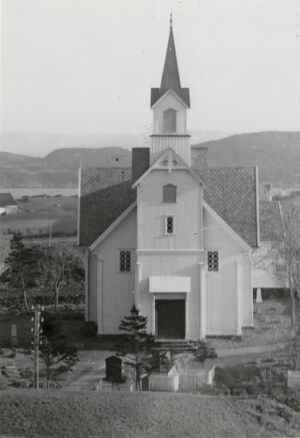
86,66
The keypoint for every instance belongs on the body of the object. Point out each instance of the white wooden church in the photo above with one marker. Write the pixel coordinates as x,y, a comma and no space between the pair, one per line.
170,234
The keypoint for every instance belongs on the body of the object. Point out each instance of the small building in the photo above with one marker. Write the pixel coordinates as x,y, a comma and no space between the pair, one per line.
7,204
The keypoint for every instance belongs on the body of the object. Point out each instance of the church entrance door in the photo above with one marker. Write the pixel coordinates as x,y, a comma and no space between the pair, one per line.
170,319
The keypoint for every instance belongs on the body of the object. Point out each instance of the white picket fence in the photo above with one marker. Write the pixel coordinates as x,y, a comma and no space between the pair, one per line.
182,381
164,382
293,379
190,380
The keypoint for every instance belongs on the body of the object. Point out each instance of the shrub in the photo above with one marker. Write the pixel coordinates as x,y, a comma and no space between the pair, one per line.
26,373
89,329
204,351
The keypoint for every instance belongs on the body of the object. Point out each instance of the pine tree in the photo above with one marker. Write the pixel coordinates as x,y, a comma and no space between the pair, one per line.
23,265
137,344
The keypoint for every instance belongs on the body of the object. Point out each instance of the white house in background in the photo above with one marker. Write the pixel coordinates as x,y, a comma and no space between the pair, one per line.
7,204
170,235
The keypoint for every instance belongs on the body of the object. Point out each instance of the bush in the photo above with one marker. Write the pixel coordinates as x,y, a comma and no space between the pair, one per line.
26,373
89,329
204,351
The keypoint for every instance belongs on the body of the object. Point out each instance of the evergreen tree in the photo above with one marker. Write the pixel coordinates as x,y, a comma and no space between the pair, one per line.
56,349
137,344
23,267
204,351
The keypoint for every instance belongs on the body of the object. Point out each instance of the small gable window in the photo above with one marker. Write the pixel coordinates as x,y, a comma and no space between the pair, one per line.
169,193
169,225
213,261
169,120
125,260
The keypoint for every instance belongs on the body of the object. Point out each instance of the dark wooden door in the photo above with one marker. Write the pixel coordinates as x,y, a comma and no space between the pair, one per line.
170,319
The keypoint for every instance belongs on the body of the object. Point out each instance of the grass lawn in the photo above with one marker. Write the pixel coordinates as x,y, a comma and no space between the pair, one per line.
144,415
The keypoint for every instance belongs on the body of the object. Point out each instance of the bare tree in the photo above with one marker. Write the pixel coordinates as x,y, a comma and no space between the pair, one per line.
291,254
61,268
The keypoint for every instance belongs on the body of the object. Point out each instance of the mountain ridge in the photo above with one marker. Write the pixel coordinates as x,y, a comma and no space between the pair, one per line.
276,153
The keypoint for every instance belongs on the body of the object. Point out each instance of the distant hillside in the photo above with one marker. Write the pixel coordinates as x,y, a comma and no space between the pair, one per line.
277,154
57,169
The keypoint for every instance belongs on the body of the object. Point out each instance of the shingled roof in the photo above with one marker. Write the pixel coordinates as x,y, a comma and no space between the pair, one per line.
107,193
231,192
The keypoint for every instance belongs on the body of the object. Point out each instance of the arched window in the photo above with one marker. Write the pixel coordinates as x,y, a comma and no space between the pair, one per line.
169,193
169,121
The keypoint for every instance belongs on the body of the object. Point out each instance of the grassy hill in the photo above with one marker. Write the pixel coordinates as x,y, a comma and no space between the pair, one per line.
131,415
277,154
59,168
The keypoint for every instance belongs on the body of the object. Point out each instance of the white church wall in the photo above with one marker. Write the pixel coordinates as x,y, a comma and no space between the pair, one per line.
114,289
223,310
152,211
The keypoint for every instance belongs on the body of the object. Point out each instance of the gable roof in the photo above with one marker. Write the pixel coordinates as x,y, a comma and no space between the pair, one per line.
6,199
231,192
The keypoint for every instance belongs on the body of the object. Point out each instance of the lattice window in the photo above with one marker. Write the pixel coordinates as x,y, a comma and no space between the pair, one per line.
125,260
169,193
213,261
169,225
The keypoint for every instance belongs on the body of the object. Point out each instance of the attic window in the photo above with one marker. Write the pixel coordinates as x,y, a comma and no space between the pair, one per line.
213,261
169,193
169,120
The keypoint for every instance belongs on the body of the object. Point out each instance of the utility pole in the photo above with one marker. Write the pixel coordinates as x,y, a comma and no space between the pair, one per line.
37,331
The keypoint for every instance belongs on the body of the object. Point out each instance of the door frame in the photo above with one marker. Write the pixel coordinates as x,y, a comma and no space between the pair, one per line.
169,296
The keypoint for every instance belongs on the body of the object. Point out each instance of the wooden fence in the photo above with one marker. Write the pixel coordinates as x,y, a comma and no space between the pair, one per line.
192,380
173,381
164,382
293,379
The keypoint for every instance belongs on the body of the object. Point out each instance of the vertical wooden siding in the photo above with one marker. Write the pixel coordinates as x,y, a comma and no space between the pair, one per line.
152,211
117,287
221,286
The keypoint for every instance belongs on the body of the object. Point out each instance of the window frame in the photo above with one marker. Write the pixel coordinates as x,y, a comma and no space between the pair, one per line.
213,251
126,250
166,224
175,192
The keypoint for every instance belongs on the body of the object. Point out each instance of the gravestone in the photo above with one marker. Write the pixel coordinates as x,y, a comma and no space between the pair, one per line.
114,369
14,335
258,295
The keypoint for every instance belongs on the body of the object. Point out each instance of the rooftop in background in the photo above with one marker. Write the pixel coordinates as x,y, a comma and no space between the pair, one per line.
6,199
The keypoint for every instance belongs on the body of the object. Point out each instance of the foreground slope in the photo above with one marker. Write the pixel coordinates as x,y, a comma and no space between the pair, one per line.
121,414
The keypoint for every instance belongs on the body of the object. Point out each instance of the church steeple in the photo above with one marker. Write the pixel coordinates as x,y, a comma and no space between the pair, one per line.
170,79
169,103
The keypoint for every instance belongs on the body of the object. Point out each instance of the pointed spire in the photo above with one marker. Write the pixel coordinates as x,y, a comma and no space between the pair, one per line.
170,77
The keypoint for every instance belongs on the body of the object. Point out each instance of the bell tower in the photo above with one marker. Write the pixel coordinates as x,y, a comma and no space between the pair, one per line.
169,103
